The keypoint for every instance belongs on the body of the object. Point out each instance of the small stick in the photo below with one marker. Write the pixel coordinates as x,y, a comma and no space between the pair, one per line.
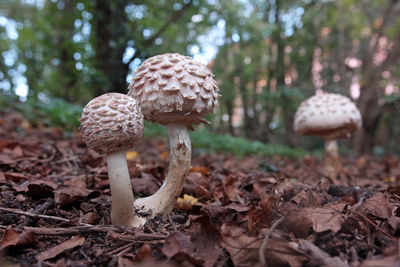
266,239
93,228
112,252
30,214
376,226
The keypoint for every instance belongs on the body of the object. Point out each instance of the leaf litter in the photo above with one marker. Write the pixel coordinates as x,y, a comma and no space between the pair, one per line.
250,211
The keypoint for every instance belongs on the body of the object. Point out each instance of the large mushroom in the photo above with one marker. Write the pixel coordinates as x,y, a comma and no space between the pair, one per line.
111,124
175,91
330,116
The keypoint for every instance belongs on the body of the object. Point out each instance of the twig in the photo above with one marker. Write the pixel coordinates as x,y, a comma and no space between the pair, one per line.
123,252
375,225
112,252
39,209
239,198
266,239
133,235
30,214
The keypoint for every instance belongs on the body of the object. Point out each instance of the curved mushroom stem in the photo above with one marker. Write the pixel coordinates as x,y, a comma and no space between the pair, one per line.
163,201
332,159
122,212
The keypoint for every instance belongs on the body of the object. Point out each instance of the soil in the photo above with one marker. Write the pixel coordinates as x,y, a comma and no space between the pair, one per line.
250,211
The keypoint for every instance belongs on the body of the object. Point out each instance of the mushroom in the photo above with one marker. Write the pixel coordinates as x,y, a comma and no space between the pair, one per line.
111,124
330,116
175,91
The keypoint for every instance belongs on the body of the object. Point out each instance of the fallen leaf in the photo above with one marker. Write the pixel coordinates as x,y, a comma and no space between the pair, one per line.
185,203
178,246
16,177
200,169
164,155
90,218
378,205
262,215
60,248
12,238
68,196
206,240
146,186
328,217
41,189
130,155
177,243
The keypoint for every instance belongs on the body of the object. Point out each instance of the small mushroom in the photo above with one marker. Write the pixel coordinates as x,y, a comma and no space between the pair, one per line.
175,91
330,116
111,124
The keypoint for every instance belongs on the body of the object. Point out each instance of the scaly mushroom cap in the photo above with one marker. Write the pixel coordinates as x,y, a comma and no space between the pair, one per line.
111,122
328,115
172,88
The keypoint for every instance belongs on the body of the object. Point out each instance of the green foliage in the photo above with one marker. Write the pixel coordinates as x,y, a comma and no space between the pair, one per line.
212,142
240,146
52,112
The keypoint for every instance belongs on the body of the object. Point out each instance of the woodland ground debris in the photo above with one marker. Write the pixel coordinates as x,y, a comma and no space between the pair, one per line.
55,208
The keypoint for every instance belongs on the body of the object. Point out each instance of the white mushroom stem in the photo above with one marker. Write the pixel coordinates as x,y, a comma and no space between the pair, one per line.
332,159
164,199
122,210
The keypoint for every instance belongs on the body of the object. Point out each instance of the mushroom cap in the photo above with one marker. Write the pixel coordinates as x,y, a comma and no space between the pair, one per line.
111,122
330,116
172,88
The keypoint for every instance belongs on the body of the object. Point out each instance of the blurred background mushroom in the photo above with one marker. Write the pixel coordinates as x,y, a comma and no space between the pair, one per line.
329,116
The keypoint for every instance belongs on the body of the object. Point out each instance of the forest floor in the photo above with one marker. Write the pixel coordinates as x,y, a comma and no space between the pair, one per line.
250,211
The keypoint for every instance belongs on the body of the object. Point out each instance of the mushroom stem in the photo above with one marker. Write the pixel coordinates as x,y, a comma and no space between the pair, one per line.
122,212
332,159
163,201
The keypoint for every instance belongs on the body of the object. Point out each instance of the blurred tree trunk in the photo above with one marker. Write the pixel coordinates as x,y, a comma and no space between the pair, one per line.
111,35
108,25
280,45
371,88
229,111
256,123
248,130
65,34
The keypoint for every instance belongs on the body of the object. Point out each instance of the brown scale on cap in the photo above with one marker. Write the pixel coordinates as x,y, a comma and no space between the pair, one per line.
172,88
327,115
111,122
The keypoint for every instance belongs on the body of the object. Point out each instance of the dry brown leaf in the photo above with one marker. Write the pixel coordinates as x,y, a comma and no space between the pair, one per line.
12,238
71,195
41,189
328,217
146,186
200,169
378,205
178,246
206,240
